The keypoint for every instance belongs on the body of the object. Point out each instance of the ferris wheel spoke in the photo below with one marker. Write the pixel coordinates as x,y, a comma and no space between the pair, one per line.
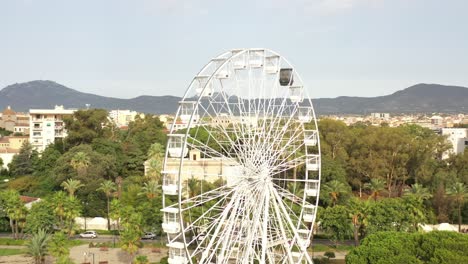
237,199
287,165
291,224
201,199
223,132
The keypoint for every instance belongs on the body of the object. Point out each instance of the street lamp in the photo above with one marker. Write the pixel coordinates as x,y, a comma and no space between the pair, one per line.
87,254
85,205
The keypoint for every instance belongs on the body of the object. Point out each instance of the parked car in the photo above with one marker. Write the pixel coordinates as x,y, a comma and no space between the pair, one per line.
89,234
148,235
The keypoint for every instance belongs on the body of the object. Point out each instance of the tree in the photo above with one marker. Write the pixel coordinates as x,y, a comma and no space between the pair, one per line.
419,192
156,156
108,187
151,189
401,247
389,214
335,221
15,210
22,163
71,186
131,222
37,246
375,186
193,187
67,208
145,131
458,192
40,217
334,190
86,125
80,162
358,214
57,248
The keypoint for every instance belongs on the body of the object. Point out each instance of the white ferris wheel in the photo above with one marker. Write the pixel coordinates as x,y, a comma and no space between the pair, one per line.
241,175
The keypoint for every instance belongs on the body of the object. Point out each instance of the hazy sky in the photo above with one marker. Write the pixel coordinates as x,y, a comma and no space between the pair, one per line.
126,48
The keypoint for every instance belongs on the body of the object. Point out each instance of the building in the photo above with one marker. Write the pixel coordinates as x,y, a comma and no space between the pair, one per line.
380,115
459,139
122,117
9,147
46,125
14,122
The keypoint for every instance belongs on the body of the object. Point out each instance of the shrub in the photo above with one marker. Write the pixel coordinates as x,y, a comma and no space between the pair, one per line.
329,254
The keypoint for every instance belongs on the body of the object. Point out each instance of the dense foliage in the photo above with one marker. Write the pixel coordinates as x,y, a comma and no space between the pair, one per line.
400,247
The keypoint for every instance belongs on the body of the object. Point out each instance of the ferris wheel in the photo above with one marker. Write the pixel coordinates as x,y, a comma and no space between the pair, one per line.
241,174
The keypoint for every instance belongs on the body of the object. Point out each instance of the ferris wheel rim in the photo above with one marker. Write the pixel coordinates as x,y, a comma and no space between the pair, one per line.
189,125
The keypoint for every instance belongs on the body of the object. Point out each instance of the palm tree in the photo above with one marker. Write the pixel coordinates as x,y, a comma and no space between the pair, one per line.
156,156
335,189
458,192
37,246
71,186
151,189
419,192
193,187
80,162
108,187
375,186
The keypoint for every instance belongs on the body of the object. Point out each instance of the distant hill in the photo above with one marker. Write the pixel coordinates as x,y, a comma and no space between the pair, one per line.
47,94
417,98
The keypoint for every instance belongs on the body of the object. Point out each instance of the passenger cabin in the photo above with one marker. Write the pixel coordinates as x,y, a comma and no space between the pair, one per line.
309,213
296,94
312,162
187,108
286,77
305,114
222,71
312,187
303,239
202,81
171,224
176,145
170,182
177,254
272,64
310,138
238,59
256,58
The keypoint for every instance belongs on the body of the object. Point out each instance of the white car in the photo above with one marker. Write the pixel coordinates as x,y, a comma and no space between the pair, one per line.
89,234
148,235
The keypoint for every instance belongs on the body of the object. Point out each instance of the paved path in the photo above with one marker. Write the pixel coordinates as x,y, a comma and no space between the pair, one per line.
112,255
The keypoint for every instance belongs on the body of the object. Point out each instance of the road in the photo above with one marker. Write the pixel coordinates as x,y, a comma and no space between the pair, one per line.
110,238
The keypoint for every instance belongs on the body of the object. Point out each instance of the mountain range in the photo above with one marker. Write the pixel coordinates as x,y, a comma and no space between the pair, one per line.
421,98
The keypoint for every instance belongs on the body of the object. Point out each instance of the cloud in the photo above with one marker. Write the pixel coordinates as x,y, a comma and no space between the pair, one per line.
169,7
323,7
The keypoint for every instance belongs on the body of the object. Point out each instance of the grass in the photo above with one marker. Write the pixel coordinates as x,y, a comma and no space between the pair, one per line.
73,243
323,248
101,232
11,242
11,251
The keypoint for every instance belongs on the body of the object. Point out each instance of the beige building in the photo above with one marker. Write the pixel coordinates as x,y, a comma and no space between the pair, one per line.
10,146
13,121
123,117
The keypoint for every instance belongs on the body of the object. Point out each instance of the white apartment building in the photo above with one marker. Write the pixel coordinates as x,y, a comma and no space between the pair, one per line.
122,117
459,139
46,125
380,115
